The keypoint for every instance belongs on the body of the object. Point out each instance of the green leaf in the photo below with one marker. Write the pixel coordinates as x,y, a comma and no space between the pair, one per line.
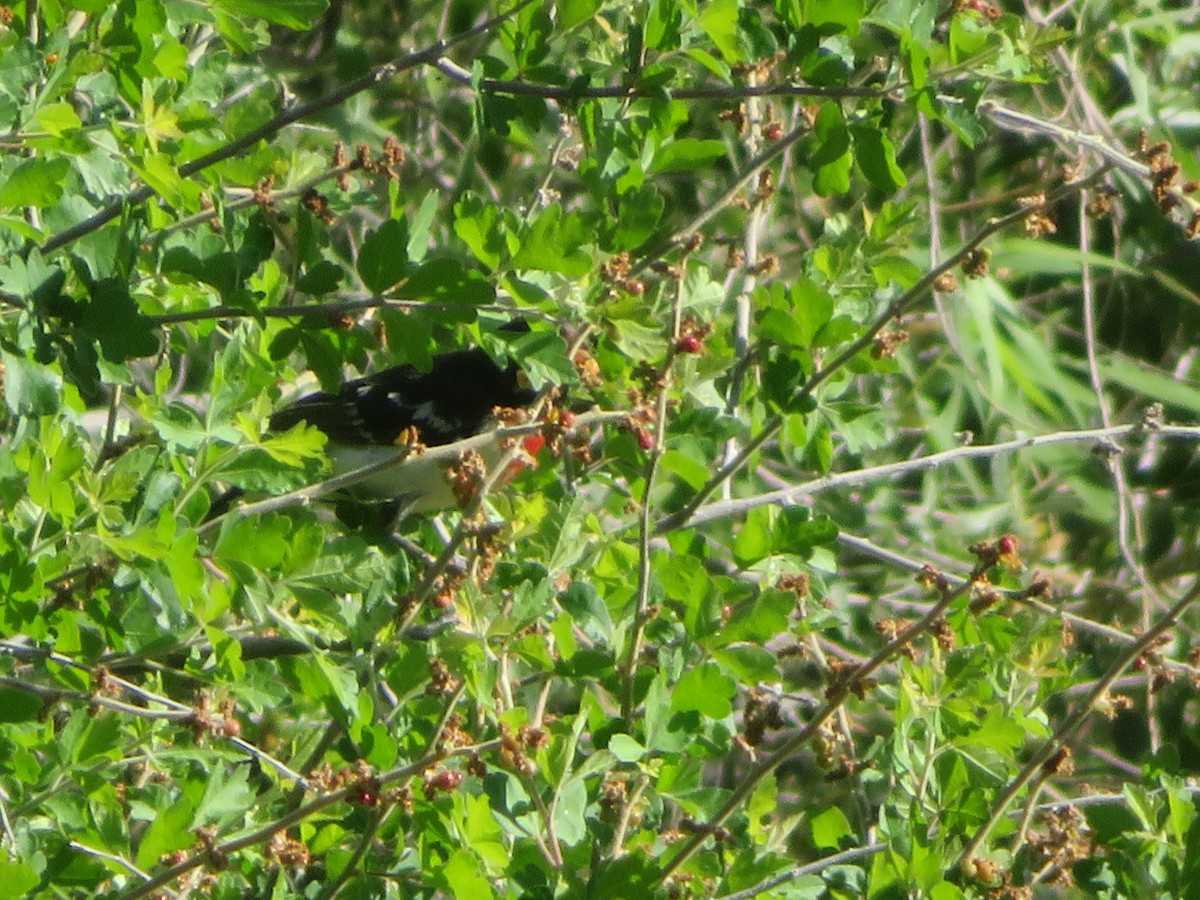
690,468
17,879
844,15
760,620
797,533
323,278
819,452
831,161
638,212
18,706
298,15
573,12
830,828
478,225
170,830
569,820
36,182
747,663
876,158
58,118
30,389
719,19
754,540
383,259
625,748
464,877
447,280
161,177
222,271
553,242
1151,384
706,690
418,240
225,795
687,155
114,320
99,738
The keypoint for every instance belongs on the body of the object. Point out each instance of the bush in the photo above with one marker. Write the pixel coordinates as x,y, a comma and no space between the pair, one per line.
862,557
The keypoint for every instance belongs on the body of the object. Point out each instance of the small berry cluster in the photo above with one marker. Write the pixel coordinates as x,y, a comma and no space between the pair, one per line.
205,720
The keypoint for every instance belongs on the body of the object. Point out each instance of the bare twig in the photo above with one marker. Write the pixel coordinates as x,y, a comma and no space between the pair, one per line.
1075,721
894,309
645,528
568,94
235,147
753,167
854,681
1095,436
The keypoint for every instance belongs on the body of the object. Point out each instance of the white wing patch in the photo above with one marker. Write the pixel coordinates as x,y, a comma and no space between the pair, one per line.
425,414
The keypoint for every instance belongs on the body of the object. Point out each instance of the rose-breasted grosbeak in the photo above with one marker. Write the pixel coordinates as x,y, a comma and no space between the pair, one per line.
370,419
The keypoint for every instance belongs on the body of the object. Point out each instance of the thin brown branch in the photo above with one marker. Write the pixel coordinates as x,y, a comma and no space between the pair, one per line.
239,145
713,209
728,92
1075,721
641,611
853,682
894,309
351,303
888,471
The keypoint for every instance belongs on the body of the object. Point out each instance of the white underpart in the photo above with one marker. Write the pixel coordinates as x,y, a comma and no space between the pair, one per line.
418,481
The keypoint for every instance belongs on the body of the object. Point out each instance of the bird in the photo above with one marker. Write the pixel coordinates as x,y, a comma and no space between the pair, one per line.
369,420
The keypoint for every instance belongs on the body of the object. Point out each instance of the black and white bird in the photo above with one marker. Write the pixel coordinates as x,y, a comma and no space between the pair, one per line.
368,420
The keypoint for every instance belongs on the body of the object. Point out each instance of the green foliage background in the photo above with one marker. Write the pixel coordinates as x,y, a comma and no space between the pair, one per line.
867,296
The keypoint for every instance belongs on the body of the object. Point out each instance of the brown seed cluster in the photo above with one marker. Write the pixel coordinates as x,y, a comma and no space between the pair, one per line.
442,682
362,785
796,582
761,713
885,343
1164,177
1039,222
1063,840
1101,203
945,283
516,747
205,719
615,271
318,204
287,851
1002,551
466,477
975,263
442,781
989,11
692,335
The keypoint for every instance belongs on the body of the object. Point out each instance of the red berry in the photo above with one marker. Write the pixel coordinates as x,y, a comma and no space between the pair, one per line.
1007,545
645,439
774,131
689,343
447,780
634,287
533,444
